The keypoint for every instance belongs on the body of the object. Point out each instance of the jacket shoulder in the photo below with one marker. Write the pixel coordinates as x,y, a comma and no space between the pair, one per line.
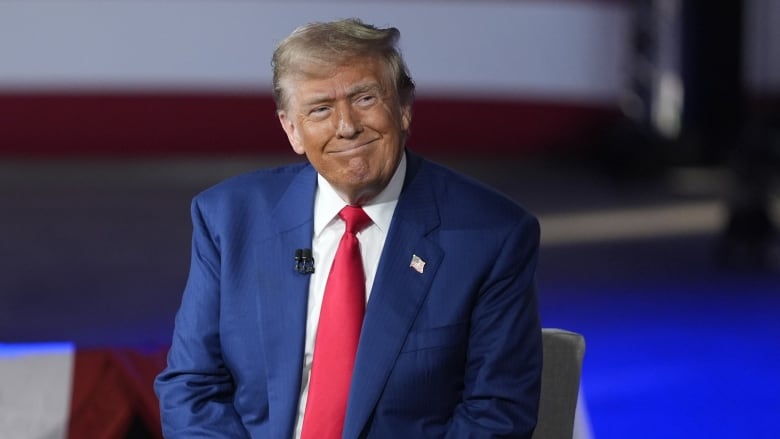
464,199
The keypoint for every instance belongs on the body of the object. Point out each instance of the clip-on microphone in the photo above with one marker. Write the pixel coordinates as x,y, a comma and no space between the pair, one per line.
304,261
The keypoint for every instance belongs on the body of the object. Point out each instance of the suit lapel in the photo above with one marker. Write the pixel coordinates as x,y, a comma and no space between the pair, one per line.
396,296
283,300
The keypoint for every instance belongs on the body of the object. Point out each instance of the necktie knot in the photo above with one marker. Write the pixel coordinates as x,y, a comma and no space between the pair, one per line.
355,218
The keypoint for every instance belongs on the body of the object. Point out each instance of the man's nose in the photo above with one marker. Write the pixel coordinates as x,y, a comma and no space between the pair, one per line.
348,122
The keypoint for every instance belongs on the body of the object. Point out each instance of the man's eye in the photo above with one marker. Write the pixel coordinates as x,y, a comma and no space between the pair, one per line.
367,99
318,110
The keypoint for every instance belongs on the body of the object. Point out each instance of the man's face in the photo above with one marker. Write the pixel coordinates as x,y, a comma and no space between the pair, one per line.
350,125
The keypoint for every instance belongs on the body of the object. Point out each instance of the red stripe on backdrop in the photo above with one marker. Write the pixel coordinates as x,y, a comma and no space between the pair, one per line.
507,127
163,125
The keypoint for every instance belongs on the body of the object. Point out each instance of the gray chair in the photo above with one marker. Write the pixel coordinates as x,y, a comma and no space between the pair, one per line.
562,364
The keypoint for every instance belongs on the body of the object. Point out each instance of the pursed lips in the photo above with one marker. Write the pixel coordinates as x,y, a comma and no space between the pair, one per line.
350,149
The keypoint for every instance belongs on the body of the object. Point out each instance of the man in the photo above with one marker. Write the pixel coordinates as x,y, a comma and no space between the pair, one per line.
446,341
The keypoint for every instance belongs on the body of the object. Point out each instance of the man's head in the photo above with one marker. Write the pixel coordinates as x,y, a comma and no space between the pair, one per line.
344,99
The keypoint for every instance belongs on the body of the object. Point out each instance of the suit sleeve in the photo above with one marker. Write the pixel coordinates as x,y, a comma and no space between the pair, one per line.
504,357
196,390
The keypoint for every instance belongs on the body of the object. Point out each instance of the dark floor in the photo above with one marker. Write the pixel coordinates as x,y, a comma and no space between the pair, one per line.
683,340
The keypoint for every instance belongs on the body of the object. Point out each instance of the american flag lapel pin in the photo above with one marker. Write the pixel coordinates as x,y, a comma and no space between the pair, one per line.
417,263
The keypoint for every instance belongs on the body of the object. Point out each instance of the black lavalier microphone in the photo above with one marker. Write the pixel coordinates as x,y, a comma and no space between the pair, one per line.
304,261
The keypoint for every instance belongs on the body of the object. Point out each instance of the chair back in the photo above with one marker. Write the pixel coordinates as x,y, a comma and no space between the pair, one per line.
561,368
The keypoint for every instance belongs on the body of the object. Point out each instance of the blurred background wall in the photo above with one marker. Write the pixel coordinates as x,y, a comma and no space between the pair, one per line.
134,78
643,133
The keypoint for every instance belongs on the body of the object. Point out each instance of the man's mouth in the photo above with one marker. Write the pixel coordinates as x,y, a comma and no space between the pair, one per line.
353,149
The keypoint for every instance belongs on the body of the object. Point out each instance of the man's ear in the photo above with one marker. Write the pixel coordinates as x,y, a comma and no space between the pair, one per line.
406,117
292,134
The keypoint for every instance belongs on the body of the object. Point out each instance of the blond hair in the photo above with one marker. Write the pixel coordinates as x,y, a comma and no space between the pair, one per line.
336,43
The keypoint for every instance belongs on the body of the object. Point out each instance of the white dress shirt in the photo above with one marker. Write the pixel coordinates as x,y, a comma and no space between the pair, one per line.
328,229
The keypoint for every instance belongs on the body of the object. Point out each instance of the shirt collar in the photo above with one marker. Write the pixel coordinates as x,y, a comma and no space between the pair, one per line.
328,203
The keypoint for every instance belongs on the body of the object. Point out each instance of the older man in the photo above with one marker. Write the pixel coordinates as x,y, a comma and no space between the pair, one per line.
369,293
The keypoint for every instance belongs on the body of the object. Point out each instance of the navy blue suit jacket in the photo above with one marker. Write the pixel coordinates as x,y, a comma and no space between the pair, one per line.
454,351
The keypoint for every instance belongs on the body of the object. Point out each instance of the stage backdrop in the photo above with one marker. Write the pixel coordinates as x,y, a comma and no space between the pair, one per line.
129,78
139,78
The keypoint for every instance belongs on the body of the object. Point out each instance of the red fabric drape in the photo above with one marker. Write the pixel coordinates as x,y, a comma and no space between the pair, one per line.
112,387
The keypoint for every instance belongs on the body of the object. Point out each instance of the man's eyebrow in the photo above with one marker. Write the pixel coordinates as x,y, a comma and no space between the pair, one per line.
317,99
363,87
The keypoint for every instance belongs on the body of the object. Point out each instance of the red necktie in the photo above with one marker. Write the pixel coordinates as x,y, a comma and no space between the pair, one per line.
338,332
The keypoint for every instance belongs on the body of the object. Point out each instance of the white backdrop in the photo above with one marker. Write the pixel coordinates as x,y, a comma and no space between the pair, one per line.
558,48
552,48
